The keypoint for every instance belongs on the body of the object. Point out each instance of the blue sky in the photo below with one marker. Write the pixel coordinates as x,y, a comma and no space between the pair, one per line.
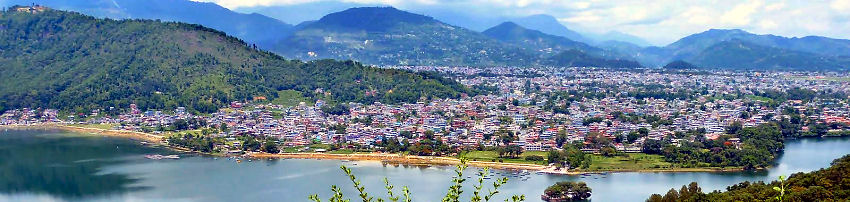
658,21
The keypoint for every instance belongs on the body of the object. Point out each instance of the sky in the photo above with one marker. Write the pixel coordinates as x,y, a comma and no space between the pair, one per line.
658,21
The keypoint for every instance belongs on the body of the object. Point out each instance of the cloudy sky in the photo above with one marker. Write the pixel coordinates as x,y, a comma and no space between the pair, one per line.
658,21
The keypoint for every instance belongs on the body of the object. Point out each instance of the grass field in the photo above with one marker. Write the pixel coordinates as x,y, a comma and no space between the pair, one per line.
494,156
291,98
631,161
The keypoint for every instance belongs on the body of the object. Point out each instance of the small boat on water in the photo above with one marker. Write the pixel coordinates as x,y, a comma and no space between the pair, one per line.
159,157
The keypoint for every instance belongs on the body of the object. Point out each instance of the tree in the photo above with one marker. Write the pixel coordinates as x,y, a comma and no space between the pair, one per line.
250,144
181,124
608,151
652,146
566,191
734,127
270,147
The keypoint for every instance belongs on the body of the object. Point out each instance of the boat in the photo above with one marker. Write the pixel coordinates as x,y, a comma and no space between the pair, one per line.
159,157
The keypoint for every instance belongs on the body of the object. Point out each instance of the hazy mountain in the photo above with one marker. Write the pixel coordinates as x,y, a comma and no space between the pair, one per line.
534,40
298,13
254,28
69,61
549,25
739,54
678,64
618,37
696,43
385,35
576,58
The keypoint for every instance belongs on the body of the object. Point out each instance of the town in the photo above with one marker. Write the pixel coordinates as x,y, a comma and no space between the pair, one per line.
535,109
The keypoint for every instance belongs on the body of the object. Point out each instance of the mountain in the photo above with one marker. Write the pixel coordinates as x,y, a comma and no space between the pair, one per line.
739,54
534,40
254,28
298,13
695,43
388,36
618,37
74,62
678,64
575,58
549,25
738,49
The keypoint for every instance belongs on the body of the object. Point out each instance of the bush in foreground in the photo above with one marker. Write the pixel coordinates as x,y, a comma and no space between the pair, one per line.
453,194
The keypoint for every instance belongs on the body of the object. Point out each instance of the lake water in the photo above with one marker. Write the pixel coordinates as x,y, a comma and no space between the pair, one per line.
51,165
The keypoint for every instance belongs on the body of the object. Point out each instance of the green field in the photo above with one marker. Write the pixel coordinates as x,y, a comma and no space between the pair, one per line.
291,98
493,156
631,161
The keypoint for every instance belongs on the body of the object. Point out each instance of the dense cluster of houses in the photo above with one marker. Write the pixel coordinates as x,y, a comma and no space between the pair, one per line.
516,109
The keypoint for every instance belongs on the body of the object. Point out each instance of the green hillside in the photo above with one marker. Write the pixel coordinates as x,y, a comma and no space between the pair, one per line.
828,184
71,61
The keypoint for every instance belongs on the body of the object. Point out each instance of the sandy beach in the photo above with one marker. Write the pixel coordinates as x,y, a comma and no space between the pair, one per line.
105,132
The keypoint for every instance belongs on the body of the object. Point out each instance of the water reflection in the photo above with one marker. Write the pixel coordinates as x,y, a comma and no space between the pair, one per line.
55,165
63,166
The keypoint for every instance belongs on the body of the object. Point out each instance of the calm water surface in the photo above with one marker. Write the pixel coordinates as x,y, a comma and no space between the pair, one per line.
49,165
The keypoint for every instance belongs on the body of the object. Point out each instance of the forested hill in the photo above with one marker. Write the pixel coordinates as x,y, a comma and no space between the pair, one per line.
828,184
70,61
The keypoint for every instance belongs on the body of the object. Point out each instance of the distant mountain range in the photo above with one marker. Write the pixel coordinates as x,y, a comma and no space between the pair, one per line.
738,49
535,41
388,36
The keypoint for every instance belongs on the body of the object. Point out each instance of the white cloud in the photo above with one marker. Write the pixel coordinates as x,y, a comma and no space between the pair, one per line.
740,14
840,5
774,7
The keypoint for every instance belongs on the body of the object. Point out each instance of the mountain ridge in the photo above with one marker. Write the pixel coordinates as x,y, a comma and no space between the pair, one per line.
73,62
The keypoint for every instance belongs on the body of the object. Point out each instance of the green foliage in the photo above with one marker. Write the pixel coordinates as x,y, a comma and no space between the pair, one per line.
193,142
570,157
270,147
757,147
534,158
828,184
69,61
780,188
567,191
453,195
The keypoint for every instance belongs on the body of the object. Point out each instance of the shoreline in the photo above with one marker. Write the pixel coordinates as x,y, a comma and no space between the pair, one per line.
151,138
379,157
432,160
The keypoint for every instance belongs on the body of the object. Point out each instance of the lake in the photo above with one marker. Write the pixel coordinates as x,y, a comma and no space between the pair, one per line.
53,165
